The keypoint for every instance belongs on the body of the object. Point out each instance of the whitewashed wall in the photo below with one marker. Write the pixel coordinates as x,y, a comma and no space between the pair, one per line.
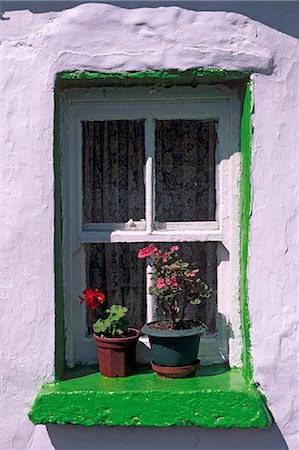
103,37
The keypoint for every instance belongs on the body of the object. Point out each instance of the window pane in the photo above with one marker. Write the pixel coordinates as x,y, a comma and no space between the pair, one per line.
185,170
113,162
116,270
202,256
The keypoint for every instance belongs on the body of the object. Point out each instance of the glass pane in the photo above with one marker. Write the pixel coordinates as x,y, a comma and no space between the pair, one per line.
202,256
113,162
116,271
185,170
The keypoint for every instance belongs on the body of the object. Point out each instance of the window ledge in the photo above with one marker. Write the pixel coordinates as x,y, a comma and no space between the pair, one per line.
216,397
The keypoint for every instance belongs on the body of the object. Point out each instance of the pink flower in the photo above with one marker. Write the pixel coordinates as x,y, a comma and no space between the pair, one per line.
171,282
174,248
147,251
165,257
190,274
174,282
160,283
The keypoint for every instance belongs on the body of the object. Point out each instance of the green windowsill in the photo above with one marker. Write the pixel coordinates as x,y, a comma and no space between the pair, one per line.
215,397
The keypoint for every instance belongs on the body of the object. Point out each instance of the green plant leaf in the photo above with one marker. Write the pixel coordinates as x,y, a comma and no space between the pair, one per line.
115,323
151,290
195,301
123,324
117,311
101,325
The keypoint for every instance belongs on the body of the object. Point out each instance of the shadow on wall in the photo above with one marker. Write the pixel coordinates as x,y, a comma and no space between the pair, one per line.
282,16
72,437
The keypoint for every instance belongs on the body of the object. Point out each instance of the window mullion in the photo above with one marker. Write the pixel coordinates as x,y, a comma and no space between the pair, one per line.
149,204
149,173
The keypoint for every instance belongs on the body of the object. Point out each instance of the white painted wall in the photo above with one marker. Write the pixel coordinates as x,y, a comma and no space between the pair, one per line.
103,37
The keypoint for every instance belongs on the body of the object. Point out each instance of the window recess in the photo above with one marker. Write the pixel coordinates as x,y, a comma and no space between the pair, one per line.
143,166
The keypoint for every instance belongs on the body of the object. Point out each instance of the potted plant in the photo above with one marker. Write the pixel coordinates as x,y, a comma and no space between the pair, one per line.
174,342
116,342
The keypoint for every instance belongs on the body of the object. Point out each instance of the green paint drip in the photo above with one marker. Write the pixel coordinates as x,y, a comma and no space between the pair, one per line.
245,209
222,400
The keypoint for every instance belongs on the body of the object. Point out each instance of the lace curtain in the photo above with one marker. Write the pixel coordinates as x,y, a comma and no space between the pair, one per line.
185,170
113,191
116,271
113,162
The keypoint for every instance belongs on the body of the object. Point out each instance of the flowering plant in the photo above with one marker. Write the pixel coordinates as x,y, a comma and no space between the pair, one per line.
175,284
93,298
113,322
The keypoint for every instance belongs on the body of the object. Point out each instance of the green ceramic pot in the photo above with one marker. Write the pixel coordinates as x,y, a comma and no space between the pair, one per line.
174,347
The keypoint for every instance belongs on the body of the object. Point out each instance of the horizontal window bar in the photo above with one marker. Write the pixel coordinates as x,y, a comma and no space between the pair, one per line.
155,236
174,226
128,226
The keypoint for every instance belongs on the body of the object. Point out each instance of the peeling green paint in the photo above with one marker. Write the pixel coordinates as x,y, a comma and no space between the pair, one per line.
190,77
245,209
222,400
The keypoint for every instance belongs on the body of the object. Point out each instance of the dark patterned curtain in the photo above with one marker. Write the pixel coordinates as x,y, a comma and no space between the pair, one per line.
185,191
202,256
185,170
113,191
113,162
116,271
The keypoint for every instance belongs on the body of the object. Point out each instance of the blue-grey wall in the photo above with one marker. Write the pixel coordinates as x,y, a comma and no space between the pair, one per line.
281,15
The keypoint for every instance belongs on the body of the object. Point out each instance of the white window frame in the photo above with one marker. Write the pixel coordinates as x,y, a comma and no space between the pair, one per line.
216,102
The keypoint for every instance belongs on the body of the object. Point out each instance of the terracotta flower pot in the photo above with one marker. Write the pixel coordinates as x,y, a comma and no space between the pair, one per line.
117,356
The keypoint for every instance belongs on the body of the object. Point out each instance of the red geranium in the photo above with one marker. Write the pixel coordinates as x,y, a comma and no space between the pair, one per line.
93,298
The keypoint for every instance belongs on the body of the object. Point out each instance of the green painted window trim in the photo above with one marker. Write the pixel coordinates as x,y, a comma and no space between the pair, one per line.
222,400
217,397
189,77
245,210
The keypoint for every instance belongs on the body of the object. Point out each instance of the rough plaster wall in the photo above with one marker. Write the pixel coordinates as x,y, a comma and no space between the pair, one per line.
274,238
102,37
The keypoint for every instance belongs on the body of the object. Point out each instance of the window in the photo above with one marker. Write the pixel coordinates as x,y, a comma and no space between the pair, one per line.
144,165
90,238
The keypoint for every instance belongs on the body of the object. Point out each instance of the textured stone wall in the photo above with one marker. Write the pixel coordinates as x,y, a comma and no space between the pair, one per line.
101,37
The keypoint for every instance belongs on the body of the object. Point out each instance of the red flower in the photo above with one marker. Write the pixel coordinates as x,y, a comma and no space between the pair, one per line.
92,297
174,248
99,296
